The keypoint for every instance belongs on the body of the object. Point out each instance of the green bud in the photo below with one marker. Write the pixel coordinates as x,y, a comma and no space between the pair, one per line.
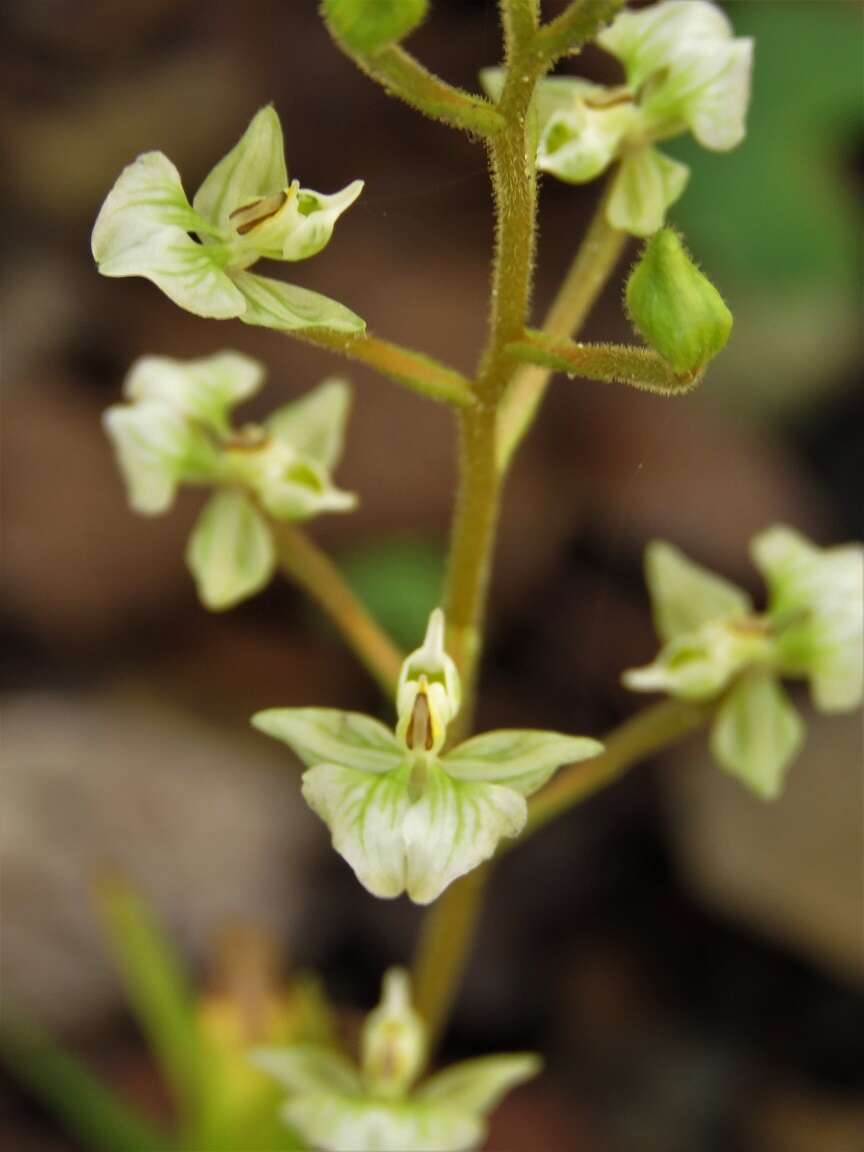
367,25
676,309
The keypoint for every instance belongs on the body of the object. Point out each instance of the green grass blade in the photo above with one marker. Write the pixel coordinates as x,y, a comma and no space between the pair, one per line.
87,1109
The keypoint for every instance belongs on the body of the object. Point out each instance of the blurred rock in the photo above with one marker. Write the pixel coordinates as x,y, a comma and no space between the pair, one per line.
792,869
209,824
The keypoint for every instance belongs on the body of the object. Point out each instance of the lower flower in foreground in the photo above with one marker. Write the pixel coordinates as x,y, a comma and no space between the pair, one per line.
378,1107
407,816
717,648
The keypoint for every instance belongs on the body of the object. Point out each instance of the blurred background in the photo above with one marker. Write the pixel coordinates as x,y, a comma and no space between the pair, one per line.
688,958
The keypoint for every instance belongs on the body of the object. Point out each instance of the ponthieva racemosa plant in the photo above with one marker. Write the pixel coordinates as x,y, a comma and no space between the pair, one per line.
423,806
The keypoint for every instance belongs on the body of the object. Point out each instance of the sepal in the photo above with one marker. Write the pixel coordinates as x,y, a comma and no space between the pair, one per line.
757,733
230,552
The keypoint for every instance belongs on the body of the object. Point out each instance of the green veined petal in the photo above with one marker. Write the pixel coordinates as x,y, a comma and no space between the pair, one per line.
272,304
454,826
303,1068
328,735
365,813
230,552
255,167
522,759
150,443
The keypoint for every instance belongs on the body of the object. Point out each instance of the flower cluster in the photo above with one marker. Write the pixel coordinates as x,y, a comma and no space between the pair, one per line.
717,648
176,429
377,1108
246,210
684,71
404,814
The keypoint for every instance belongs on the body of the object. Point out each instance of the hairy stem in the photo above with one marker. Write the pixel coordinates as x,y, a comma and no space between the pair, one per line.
404,77
446,939
640,368
580,21
594,263
414,370
308,566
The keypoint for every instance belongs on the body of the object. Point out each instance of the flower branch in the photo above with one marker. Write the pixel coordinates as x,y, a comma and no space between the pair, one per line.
577,24
640,368
420,373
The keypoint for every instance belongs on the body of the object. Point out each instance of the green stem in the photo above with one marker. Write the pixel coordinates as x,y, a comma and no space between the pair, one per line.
414,370
592,266
641,368
448,931
644,734
446,938
577,24
304,563
404,77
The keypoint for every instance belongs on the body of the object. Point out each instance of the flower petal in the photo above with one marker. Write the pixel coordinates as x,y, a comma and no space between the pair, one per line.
816,600
578,144
314,425
477,1086
143,230
312,219
365,812
652,39
230,552
522,759
335,1123
453,827
756,734
684,595
255,167
205,390
646,184
272,304
296,489
321,735
303,1068
155,450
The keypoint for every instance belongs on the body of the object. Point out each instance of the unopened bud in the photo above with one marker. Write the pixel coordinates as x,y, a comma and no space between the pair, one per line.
394,1039
367,25
676,309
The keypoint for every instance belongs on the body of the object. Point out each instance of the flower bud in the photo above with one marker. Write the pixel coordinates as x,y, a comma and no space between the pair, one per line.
676,309
394,1039
367,25
429,692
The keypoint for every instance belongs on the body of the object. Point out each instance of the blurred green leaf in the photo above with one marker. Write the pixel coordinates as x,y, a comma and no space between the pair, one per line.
400,582
781,210
158,992
90,1112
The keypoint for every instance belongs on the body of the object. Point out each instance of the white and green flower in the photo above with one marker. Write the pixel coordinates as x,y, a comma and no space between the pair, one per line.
684,71
176,429
200,254
407,816
379,1107
716,647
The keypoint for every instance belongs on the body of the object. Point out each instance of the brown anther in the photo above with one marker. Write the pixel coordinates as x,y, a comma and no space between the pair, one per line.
419,732
249,216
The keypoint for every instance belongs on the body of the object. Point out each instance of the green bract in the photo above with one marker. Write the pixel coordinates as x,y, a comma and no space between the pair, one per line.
675,307
684,71
405,816
377,1108
366,25
176,429
245,210
716,646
